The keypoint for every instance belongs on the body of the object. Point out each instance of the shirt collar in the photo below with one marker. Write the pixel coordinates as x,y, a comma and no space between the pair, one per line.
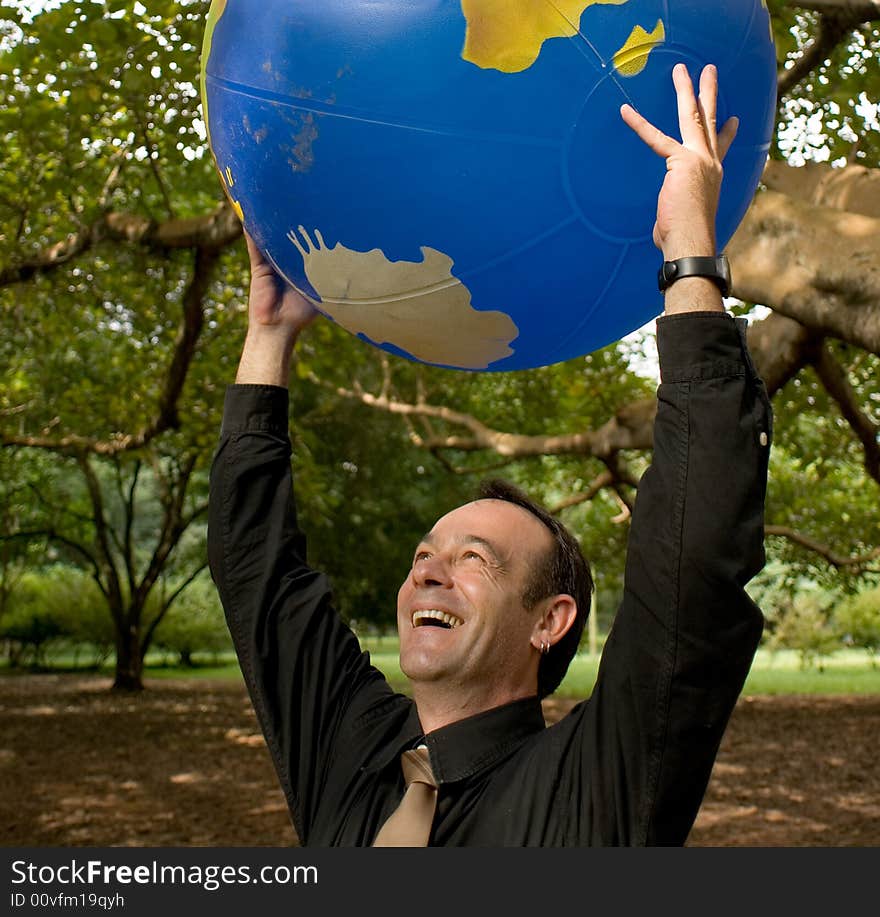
464,748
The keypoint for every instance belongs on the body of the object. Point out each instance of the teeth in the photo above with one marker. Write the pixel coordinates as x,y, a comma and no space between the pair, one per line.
436,614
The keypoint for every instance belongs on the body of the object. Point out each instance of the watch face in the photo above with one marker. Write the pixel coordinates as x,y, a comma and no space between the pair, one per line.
668,271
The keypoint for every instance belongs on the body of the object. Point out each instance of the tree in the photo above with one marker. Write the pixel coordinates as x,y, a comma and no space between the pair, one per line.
122,283
804,624
15,555
125,520
858,621
194,625
30,625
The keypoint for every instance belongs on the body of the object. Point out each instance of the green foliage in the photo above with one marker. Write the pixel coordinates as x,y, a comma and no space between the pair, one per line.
858,621
82,614
27,630
804,624
54,607
101,112
830,115
16,554
87,90
818,483
60,611
195,624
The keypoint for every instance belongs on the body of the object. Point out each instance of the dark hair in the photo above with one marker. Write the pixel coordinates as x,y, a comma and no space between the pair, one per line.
563,570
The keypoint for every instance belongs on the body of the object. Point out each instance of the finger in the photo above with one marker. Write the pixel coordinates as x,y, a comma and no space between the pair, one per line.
253,252
727,135
690,122
659,142
708,105
259,264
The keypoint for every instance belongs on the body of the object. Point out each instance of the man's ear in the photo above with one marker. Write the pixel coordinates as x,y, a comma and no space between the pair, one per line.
558,615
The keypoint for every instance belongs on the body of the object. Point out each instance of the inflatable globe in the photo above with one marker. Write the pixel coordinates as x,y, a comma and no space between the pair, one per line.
451,180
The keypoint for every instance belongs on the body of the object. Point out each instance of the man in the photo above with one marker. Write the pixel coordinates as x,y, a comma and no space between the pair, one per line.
491,611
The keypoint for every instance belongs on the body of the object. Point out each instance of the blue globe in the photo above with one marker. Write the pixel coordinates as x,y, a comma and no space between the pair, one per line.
451,180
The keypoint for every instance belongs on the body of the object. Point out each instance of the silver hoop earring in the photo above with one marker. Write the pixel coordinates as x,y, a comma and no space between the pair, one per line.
545,647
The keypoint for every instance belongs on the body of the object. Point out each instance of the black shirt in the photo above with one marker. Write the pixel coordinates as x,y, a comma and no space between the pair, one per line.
629,765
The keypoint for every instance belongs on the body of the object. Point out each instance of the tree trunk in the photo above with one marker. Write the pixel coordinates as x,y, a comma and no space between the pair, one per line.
129,661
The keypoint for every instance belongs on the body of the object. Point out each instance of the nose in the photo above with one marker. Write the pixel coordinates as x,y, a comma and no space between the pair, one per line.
431,571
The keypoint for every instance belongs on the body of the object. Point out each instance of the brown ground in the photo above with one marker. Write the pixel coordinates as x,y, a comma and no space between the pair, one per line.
184,764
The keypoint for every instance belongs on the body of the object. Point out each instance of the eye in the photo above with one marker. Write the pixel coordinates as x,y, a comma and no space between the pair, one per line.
421,555
472,555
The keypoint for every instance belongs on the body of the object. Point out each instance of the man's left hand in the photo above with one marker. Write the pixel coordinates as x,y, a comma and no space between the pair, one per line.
688,201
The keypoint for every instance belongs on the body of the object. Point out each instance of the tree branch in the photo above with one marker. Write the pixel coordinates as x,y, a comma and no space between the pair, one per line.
622,474
128,504
173,526
167,417
601,481
630,428
211,232
54,511
780,347
817,265
147,638
104,558
52,535
868,10
198,510
855,188
188,334
833,377
462,469
833,558
832,27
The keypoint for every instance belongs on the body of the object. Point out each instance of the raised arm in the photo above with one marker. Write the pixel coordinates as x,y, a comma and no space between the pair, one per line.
303,667
276,315
684,637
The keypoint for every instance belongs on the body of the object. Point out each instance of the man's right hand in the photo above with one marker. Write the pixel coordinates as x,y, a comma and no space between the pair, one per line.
273,302
276,315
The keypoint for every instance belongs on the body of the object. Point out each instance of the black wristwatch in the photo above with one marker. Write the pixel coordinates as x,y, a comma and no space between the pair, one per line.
716,269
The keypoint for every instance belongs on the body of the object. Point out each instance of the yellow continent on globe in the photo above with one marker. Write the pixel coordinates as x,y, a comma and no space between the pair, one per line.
508,35
631,59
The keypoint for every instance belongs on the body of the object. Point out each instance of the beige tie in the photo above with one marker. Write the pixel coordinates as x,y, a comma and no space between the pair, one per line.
410,823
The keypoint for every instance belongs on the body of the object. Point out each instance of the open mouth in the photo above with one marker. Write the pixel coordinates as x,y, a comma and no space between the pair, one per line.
432,617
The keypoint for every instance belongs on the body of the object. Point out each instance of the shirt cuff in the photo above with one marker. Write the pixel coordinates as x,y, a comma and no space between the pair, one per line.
255,409
701,345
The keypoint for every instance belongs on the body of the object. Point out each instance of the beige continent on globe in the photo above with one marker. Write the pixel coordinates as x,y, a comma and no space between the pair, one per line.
417,306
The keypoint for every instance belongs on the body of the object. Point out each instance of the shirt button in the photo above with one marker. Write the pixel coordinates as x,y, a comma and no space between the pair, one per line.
763,438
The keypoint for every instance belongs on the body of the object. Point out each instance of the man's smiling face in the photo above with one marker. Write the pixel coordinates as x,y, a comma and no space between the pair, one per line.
460,612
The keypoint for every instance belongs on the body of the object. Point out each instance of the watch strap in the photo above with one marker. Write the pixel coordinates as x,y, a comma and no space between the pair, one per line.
715,269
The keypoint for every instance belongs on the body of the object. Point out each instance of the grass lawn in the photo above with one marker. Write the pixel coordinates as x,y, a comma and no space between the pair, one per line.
845,672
